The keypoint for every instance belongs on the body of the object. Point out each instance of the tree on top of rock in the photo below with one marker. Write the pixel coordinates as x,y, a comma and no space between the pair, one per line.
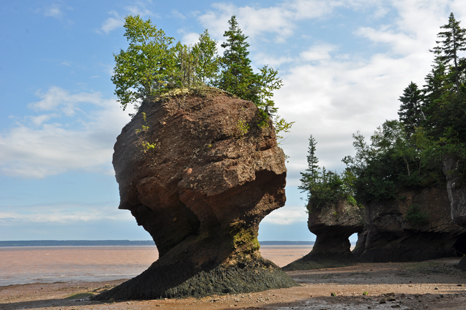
237,76
206,52
148,63
410,112
447,52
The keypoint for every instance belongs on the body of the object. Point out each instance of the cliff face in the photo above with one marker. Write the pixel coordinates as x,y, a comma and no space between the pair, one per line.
456,191
199,175
416,226
332,225
457,196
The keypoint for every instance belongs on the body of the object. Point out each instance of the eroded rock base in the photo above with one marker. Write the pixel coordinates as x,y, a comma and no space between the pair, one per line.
175,281
311,261
404,247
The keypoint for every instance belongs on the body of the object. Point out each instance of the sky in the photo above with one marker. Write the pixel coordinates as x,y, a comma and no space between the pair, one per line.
344,63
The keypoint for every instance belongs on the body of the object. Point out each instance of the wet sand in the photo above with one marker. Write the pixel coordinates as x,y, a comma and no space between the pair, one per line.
22,265
435,284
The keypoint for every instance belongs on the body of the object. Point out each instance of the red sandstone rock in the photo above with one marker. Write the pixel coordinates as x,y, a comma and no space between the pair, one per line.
201,192
332,225
390,234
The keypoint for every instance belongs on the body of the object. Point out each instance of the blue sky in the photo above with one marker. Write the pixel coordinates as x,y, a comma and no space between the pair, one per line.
344,65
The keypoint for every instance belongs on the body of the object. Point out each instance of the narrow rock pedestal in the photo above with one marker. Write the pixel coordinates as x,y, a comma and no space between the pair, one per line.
332,225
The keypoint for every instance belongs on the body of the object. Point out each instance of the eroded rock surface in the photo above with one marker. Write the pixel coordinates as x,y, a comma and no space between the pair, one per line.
416,226
457,196
201,192
456,191
332,225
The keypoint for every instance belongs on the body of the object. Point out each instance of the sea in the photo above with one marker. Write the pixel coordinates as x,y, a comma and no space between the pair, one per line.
24,262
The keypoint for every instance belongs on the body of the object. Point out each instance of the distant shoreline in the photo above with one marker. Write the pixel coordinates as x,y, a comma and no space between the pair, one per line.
28,243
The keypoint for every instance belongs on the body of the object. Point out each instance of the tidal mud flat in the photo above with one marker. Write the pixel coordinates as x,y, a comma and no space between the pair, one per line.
434,284
26,265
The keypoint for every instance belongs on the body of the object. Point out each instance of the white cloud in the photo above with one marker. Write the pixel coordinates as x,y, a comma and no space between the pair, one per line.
63,213
190,38
139,9
54,10
82,142
318,52
112,23
177,14
266,59
39,120
280,19
340,94
116,21
59,99
287,215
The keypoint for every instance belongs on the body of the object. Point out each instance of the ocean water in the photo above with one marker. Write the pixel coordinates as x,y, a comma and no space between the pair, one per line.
23,265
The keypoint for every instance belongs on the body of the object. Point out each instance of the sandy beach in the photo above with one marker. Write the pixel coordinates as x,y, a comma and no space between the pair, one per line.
434,284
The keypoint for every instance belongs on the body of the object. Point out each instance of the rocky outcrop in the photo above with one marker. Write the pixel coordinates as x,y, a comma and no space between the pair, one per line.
332,225
416,226
456,191
457,196
199,174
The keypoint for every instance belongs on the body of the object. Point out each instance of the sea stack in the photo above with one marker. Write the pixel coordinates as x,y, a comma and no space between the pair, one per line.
199,173
332,224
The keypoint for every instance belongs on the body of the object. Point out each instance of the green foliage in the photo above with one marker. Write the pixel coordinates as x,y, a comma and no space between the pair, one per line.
453,41
392,161
432,126
153,64
416,216
268,82
147,146
205,52
187,65
148,64
242,128
410,111
351,200
324,187
237,76
281,126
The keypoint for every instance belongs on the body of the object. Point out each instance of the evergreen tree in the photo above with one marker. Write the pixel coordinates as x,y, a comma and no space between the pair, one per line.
453,41
324,187
311,175
410,112
237,76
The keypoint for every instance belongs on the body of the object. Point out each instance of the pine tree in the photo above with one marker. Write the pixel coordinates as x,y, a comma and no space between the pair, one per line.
237,76
453,41
309,178
410,112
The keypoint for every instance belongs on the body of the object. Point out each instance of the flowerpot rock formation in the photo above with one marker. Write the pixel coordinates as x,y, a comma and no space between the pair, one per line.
199,174
332,225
